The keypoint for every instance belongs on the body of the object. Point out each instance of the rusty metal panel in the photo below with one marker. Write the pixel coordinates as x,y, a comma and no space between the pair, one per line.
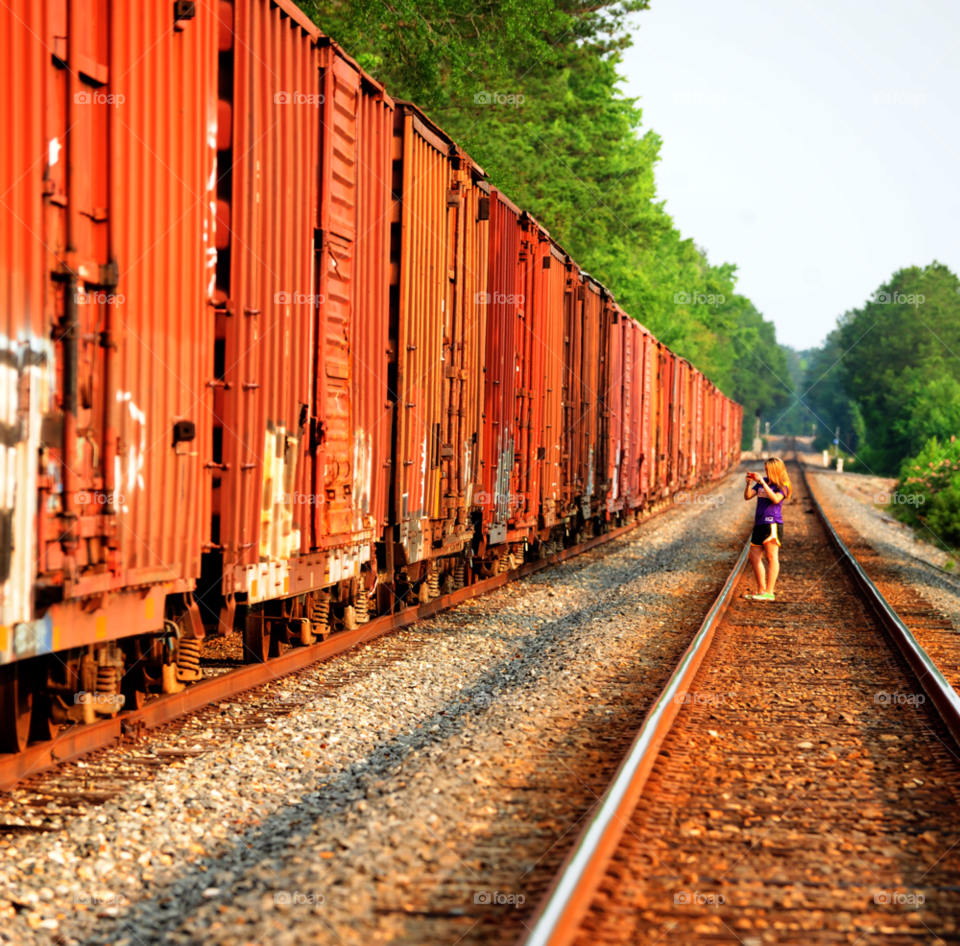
683,421
347,441
162,162
470,350
589,420
270,330
422,342
572,386
372,414
531,351
649,417
501,364
664,419
699,434
437,336
634,458
336,261
106,250
27,366
611,407
551,306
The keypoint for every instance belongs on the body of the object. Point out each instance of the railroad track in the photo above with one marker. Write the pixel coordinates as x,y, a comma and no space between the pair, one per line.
76,741
796,782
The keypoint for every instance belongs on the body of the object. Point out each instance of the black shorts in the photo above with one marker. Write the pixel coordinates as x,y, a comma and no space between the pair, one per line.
767,531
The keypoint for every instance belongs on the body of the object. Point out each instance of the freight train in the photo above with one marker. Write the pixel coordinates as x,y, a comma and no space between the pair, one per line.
277,358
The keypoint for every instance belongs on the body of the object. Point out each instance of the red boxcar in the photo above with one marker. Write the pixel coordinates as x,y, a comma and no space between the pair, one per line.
107,268
503,294
552,301
267,313
438,322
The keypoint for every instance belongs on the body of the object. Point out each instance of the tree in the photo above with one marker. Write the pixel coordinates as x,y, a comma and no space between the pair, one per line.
900,364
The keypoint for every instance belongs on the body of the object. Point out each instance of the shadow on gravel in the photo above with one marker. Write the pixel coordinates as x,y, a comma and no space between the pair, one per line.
242,867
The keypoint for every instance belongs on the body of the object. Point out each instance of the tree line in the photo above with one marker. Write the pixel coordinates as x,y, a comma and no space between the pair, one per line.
531,90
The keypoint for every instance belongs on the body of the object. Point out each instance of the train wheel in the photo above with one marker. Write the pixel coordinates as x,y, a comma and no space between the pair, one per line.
134,682
256,640
134,687
16,706
42,725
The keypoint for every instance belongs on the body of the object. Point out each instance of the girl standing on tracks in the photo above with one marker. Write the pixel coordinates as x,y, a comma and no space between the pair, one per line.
771,492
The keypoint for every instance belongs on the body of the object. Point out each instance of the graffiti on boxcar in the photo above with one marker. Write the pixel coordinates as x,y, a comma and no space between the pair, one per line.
363,467
27,378
279,535
133,436
501,486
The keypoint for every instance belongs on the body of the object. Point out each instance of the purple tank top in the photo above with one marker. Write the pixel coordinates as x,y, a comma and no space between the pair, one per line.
768,511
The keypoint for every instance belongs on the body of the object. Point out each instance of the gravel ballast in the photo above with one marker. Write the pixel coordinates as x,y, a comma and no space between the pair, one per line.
863,503
421,789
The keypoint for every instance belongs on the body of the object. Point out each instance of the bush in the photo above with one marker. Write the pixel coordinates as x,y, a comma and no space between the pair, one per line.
928,492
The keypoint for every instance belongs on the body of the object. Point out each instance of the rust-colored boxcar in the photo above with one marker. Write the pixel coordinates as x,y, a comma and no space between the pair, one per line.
267,311
532,320
303,443
439,248
106,174
551,302
503,301
613,407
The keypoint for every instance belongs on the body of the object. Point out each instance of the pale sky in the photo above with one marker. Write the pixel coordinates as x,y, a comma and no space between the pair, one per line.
815,145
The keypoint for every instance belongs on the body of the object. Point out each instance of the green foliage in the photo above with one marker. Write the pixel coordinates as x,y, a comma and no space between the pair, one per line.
570,148
826,399
929,492
436,52
900,364
758,376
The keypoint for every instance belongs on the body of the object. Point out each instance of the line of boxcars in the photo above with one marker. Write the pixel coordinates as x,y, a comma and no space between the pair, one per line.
275,358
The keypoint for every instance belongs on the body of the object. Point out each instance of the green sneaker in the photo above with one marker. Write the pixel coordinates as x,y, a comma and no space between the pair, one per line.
766,596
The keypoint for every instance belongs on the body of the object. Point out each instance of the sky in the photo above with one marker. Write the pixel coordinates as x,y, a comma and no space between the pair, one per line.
817,146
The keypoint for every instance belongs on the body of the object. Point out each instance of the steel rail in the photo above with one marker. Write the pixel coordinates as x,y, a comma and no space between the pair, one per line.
557,920
561,911
79,740
936,686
